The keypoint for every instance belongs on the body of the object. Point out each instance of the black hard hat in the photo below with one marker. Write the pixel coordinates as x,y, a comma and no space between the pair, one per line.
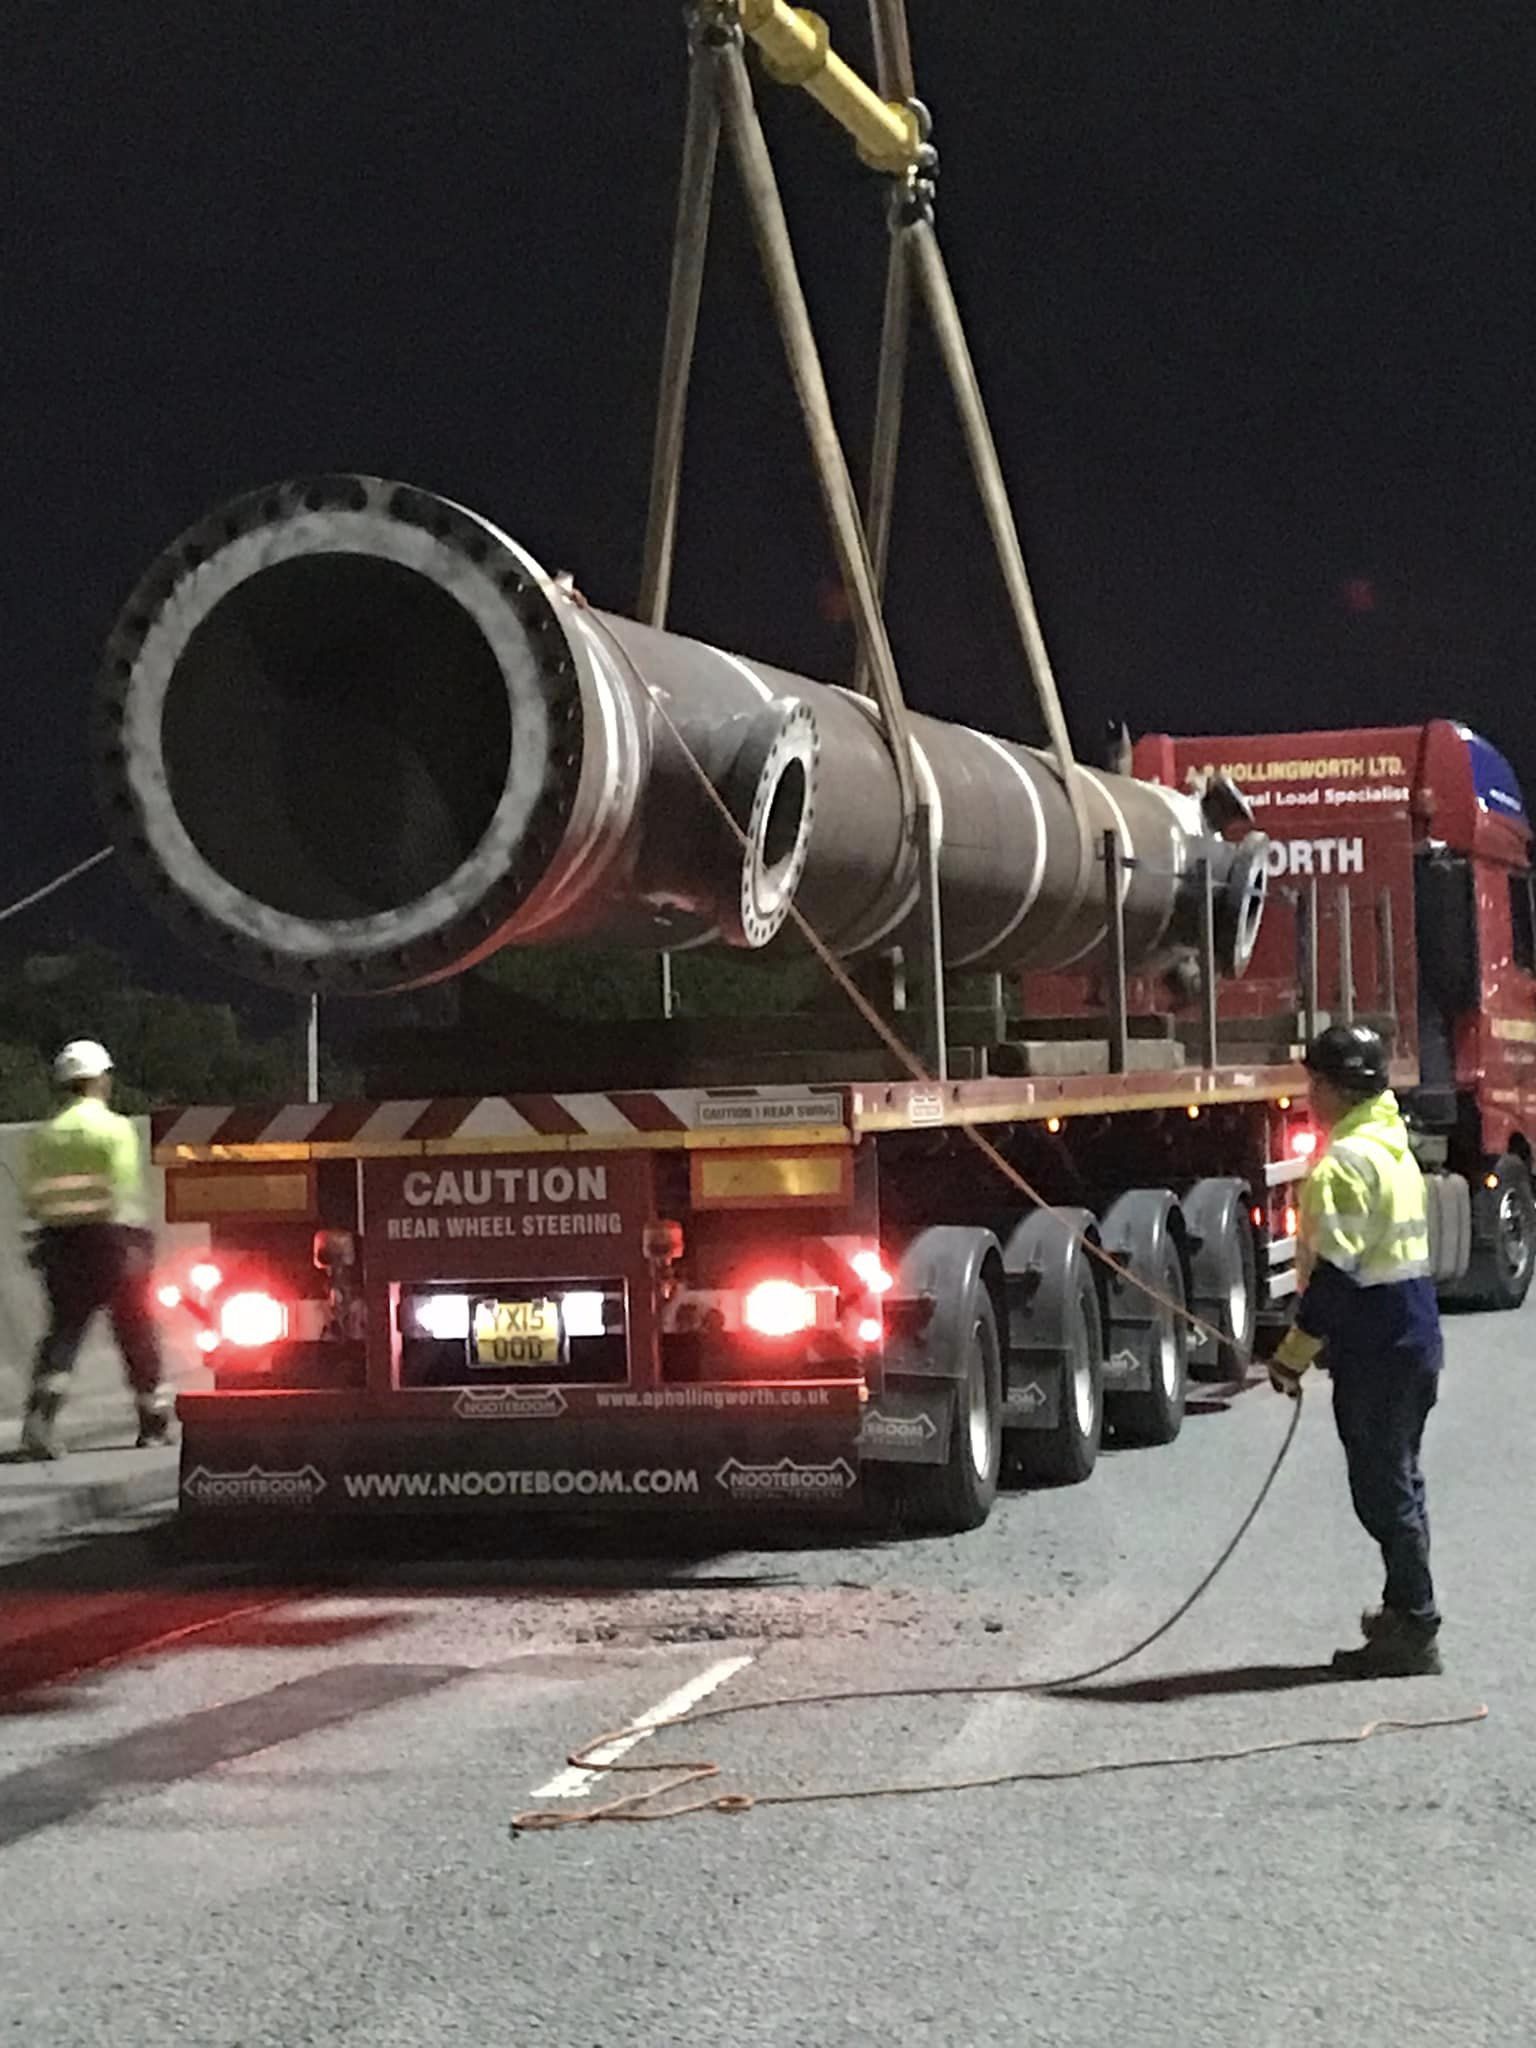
1351,1056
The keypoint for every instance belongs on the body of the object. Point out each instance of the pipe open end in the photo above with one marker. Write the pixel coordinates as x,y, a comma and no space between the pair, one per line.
340,734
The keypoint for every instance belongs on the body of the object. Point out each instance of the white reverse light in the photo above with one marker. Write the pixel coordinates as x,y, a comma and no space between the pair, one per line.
443,1316
582,1314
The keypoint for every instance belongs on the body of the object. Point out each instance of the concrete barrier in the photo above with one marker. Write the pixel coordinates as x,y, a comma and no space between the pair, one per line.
98,1400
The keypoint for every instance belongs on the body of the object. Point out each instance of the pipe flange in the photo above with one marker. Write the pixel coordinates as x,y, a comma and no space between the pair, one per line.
1241,904
508,599
770,790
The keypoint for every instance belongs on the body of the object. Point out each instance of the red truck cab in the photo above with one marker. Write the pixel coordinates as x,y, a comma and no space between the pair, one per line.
1401,894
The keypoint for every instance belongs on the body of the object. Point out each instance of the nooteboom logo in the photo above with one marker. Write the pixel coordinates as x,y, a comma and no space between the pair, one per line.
786,1480
254,1487
509,1404
899,1429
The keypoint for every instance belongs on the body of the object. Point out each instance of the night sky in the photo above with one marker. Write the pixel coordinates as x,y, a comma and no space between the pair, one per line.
1250,287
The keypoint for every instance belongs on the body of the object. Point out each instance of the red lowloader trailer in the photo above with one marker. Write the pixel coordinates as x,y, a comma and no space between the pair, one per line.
767,1293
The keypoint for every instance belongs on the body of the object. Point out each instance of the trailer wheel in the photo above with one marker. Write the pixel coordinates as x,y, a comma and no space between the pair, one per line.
1449,1202
1067,1454
958,1495
1155,1414
1503,1238
1224,1277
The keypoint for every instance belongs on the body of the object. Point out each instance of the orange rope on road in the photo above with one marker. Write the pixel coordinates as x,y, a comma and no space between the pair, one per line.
640,1806
686,1772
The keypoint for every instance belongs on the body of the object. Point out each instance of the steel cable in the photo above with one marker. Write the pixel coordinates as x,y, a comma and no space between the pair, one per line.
69,875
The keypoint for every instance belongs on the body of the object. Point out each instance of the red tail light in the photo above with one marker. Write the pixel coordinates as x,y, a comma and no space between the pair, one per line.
252,1320
778,1308
1303,1144
168,1296
205,1277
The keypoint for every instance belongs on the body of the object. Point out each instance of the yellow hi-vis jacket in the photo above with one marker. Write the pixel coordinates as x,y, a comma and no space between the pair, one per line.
84,1167
1363,1207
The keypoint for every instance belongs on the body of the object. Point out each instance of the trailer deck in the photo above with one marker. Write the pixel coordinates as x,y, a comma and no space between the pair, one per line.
690,1119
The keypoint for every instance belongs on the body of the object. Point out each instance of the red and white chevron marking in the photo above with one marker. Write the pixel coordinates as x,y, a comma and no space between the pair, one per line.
622,1116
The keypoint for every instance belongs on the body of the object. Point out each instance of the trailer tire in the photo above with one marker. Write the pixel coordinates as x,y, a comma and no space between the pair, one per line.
1155,1414
1224,1277
1503,1238
1449,1202
1067,1454
958,1495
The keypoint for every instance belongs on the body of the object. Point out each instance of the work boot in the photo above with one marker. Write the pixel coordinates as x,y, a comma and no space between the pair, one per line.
154,1420
1394,1647
40,1437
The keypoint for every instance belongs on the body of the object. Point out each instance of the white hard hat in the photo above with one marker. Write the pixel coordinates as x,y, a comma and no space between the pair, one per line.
82,1060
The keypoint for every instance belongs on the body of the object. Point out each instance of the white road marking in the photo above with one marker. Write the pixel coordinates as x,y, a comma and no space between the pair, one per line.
574,1780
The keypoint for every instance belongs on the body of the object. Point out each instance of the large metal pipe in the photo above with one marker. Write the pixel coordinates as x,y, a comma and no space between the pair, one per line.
351,737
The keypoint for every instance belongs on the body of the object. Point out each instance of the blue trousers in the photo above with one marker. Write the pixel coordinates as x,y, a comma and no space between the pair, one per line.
99,1266
1380,1407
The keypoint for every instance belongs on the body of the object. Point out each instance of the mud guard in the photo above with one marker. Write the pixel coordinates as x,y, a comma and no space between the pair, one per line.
914,1416
1040,1264
1136,1232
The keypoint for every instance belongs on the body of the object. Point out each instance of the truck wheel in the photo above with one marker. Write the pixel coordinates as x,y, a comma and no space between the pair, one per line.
1224,1277
1503,1238
1155,1414
1449,1202
1067,1454
958,1495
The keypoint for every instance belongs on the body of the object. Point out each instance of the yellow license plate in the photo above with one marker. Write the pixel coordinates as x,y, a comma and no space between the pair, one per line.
517,1333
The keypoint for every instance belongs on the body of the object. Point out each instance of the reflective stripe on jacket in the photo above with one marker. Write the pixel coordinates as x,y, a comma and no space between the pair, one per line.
1363,1207
85,1167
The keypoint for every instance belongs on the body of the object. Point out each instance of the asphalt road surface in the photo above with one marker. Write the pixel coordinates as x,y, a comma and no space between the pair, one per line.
271,1804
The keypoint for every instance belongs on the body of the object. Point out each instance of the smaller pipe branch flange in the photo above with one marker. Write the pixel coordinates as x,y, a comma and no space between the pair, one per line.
777,763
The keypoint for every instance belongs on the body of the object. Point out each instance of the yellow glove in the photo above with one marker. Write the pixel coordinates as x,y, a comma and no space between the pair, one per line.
1293,1356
